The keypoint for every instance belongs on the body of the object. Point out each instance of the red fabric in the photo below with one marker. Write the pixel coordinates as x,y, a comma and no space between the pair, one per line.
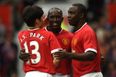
112,13
83,39
6,16
64,38
41,43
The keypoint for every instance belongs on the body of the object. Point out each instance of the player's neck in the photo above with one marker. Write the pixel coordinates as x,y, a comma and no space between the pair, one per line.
31,28
80,24
57,31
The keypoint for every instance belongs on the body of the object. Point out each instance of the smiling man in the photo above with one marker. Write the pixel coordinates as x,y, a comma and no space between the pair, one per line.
55,18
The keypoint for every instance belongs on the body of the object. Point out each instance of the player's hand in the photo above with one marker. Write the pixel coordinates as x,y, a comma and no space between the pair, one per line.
102,59
56,62
24,56
60,55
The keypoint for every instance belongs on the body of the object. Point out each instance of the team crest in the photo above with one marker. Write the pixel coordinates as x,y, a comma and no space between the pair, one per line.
74,42
65,41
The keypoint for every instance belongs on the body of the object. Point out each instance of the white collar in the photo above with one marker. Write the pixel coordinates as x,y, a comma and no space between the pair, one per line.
33,29
82,26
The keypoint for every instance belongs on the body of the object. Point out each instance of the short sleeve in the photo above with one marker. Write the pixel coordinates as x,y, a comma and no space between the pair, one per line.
90,41
54,44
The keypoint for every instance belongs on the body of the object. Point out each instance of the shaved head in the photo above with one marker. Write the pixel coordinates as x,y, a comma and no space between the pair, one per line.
55,18
55,10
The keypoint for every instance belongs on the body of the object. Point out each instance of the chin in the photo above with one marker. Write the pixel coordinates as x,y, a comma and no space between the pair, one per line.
71,24
54,28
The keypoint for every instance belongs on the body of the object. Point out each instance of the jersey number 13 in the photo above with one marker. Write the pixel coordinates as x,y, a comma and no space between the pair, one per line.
35,51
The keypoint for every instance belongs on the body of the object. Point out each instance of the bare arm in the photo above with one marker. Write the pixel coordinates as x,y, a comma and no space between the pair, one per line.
88,56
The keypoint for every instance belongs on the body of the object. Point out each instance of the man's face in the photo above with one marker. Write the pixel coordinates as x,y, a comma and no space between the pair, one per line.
55,19
73,15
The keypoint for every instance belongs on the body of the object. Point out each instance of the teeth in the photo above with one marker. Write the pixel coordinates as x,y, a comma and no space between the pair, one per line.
54,23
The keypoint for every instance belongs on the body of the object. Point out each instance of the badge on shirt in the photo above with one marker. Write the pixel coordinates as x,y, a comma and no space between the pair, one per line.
65,41
74,42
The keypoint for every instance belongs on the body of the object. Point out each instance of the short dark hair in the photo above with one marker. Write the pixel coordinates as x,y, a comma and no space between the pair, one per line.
55,9
31,13
82,8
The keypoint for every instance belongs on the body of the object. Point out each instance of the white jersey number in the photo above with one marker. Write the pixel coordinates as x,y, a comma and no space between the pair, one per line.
34,51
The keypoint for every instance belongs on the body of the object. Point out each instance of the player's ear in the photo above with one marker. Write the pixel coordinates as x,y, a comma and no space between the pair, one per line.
38,22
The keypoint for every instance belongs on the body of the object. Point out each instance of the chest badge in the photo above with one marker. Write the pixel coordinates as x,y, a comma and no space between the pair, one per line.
65,41
74,42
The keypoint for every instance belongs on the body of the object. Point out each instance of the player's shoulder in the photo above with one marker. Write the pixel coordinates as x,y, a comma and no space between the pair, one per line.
46,32
88,27
88,30
21,32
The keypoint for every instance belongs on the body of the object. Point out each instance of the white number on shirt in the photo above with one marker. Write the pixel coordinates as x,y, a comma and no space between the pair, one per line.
34,51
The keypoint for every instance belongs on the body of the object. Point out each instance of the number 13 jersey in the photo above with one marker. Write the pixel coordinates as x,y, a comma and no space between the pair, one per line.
40,44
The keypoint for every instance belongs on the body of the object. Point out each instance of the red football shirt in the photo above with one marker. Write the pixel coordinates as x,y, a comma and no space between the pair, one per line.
84,40
40,44
64,38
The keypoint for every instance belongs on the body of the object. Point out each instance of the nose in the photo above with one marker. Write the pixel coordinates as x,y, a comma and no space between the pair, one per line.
55,19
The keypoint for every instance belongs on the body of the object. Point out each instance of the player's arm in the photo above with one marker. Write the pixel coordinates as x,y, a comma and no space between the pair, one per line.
55,47
56,57
90,47
87,56
56,61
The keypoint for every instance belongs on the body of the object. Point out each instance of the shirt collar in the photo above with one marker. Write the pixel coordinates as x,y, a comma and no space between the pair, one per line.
33,29
81,27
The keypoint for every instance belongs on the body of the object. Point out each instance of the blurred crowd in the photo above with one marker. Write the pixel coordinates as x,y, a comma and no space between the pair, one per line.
101,16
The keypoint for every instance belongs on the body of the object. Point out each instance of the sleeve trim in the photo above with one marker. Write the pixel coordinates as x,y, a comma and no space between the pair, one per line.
56,50
91,49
